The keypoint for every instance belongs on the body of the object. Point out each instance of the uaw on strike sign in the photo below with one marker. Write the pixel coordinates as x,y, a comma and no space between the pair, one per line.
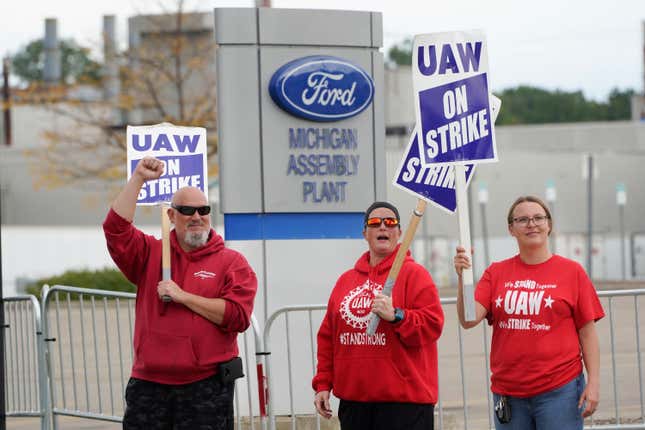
183,152
455,116
431,182
451,92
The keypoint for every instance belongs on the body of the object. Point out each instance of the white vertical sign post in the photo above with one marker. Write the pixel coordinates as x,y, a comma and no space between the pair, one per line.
621,200
464,240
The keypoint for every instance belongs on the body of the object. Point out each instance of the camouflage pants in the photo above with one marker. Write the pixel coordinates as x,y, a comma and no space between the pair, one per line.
201,405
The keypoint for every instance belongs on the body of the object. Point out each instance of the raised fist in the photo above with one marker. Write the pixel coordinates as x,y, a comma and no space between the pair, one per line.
149,168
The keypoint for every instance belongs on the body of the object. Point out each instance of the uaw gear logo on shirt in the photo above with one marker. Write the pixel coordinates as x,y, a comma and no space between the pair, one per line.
356,307
204,274
525,298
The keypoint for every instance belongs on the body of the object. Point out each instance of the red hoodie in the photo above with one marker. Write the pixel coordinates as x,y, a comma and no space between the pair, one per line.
172,344
399,362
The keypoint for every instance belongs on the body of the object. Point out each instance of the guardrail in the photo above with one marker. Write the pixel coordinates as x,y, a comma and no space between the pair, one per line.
83,341
75,357
465,400
26,376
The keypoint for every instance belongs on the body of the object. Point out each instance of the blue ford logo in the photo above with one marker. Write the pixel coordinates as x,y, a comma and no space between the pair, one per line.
321,88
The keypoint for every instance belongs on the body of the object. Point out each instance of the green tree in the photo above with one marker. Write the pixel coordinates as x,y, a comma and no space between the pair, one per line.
620,104
401,54
104,279
531,105
76,64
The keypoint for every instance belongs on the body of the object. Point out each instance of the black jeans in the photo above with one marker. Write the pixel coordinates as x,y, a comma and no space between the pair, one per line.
201,405
385,416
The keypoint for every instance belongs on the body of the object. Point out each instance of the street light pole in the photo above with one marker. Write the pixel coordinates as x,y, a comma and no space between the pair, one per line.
483,199
589,215
551,196
621,200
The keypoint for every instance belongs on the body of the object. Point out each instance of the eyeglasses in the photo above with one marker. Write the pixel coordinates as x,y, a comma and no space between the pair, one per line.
190,210
376,222
524,220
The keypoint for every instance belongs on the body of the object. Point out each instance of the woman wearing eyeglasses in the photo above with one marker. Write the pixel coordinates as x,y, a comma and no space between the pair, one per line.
387,380
543,309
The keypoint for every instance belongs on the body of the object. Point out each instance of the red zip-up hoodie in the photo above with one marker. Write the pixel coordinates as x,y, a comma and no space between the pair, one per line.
399,362
172,344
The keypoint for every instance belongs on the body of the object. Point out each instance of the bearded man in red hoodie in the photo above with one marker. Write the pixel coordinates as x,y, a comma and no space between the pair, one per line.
184,350
387,380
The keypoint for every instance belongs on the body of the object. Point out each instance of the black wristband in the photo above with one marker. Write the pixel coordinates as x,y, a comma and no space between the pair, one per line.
399,314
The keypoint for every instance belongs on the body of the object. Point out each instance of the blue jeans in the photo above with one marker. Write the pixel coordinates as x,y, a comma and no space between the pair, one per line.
555,409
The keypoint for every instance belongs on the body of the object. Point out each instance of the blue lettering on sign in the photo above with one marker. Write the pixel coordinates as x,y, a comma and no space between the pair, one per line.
429,62
435,183
323,165
174,143
321,88
455,122
323,138
325,191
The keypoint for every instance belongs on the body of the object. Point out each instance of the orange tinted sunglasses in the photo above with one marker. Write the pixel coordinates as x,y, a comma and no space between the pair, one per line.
376,222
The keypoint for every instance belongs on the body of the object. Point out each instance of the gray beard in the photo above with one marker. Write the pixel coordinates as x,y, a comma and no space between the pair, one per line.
196,239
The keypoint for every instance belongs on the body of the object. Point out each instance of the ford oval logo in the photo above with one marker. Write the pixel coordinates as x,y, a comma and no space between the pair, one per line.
321,88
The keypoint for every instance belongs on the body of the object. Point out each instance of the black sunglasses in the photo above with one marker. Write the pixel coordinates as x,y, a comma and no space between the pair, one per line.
190,210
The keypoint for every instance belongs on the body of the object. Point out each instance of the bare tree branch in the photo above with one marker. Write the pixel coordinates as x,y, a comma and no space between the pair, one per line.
168,78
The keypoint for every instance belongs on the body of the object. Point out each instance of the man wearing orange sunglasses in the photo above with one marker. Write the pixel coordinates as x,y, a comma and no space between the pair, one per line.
387,380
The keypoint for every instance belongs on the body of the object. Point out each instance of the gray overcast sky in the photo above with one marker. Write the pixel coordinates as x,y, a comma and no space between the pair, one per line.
588,45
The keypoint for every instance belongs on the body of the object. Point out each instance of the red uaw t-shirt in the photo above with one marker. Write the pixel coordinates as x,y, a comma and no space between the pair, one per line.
536,312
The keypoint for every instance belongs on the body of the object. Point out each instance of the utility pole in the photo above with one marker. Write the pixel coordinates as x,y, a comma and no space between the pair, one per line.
589,214
551,196
483,200
6,98
621,200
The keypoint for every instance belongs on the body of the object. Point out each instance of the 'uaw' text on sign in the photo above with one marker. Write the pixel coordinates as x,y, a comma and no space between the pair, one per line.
429,61
451,93
181,149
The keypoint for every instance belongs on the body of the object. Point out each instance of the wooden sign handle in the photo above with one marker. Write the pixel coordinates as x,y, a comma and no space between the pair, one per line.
165,247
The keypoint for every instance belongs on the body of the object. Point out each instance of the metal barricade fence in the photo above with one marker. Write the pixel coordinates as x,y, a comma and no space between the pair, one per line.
465,401
304,366
91,354
621,330
25,375
75,358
